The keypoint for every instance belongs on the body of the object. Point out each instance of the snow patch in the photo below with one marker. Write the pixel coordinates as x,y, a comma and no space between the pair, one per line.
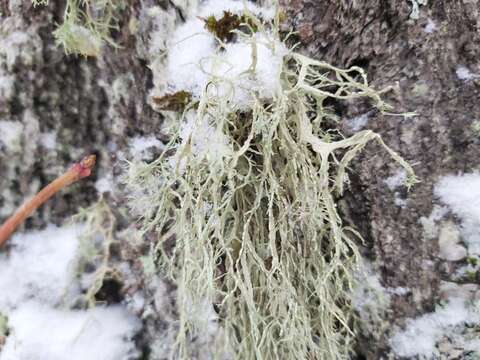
462,195
35,277
104,184
420,336
463,73
358,122
48,140
141,146
7,83
195,59
396,180
11,133
38,266
42,333
430,27
206,140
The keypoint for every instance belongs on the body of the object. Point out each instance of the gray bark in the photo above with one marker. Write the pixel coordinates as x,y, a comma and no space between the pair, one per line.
98,104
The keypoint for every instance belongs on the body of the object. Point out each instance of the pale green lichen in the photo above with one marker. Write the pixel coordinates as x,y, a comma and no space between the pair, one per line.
86,25
95,245
256,224
415,13
476,128
3,328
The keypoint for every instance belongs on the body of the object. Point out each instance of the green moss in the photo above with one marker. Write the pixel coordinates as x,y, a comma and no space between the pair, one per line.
225,27
257,229
474,261
173,102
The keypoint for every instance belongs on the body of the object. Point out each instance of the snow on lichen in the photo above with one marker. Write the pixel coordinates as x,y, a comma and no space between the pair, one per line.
253,63
38,282
141,147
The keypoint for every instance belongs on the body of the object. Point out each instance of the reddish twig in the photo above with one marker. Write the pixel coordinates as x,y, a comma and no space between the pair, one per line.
76,172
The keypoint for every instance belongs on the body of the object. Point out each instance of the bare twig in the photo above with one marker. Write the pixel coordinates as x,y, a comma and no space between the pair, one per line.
76,172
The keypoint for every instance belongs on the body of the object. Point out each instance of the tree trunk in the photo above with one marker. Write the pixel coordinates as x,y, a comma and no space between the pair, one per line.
56,108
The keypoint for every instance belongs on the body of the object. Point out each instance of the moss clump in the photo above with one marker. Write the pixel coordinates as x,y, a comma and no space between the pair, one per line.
173,102
255,223
224,28
473,261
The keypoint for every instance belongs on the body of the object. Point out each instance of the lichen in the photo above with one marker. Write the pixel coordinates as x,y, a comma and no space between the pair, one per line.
255,222
415,13
86,25
95,248
224,28
3,329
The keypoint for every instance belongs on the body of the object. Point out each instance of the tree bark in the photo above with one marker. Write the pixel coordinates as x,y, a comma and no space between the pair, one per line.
398,51
97,105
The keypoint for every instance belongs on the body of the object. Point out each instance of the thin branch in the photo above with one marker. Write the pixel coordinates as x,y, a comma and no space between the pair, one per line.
78,171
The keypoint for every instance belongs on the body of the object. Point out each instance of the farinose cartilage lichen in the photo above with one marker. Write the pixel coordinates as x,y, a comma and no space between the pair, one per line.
252,209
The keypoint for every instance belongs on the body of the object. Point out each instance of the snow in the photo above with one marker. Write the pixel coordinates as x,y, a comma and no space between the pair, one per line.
358,122
42,333
369,298
37,277
430,27
39,266
10,133
462,195
104,184
465,74
396,180
7,83
195,59
48,140
12,46
430,228
140,146
206,141
420,336
216,8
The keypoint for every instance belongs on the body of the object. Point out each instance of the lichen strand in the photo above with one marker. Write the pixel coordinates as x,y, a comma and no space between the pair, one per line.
99,224
256,226
86,25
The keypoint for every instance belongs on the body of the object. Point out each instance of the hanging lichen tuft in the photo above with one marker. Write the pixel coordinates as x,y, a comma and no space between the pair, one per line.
243,203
